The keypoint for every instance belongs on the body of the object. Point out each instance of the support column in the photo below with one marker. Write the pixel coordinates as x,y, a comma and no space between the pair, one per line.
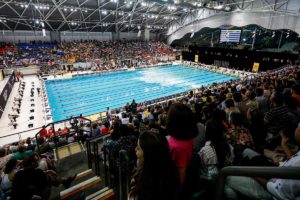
116,34
147,35
55,36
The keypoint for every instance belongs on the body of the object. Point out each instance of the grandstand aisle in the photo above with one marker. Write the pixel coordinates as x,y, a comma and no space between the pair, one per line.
24,117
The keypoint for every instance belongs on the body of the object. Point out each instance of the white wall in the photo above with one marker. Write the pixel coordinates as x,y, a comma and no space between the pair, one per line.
133,36
23,36
70,36
27,36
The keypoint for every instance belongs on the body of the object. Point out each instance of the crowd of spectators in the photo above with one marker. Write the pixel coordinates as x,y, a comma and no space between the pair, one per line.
26,174
242,122
178,148
104,54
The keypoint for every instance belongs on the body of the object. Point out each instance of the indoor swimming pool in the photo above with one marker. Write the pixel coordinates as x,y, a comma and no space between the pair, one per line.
92,94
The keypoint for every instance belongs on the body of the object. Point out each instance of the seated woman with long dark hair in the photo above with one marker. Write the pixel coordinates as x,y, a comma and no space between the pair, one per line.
156,176
216,153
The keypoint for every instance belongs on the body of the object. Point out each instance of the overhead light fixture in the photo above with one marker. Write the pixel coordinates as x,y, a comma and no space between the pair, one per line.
219,7
22,6
37,21
26,6
143,4
227,8
72,9
65,9
104,12
192,35
273,34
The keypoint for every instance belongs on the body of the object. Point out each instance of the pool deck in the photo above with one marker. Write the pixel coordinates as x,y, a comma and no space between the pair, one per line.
7,132
23,120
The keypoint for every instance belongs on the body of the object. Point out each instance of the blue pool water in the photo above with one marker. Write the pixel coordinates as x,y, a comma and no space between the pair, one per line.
92,94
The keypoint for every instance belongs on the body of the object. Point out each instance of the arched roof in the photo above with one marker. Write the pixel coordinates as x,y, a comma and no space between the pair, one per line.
284,15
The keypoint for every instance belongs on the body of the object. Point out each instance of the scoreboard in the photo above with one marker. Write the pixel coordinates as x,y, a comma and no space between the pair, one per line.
231,36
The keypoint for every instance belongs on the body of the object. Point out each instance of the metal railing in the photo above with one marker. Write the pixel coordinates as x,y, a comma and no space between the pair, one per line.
95,148
56,137
264,172
123,174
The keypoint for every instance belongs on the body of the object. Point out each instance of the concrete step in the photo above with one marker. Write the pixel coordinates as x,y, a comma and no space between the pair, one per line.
65,194
102,194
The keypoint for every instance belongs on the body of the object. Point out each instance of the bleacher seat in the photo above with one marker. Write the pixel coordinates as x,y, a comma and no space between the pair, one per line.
103,194
65,194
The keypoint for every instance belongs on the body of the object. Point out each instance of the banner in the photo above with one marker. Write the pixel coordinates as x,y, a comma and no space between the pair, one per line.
255,67
180,58
196,58
6,92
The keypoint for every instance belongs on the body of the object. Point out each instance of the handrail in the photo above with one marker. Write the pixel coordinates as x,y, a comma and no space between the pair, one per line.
123,175
105,152
265,172
18,133
92,146
53,126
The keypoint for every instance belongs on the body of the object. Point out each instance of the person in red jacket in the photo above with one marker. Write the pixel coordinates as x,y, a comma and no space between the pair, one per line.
43,132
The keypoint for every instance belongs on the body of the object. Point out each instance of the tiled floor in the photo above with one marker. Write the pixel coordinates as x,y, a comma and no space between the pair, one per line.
22,130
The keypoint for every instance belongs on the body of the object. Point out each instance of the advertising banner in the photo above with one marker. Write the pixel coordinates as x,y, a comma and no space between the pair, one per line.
6,92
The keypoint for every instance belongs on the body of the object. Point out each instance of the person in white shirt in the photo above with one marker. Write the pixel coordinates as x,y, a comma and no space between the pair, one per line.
261,188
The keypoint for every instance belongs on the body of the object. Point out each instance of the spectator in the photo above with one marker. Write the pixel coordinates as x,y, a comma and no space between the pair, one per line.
296,93
276,119
7,176
22,153
261,188
156,176
42,146
104,130
216,153
34,183
95,130
125,142
230,108
238,136
182,129
43,132
261,100
30,146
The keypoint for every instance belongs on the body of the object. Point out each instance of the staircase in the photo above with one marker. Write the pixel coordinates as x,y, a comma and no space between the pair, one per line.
72,159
